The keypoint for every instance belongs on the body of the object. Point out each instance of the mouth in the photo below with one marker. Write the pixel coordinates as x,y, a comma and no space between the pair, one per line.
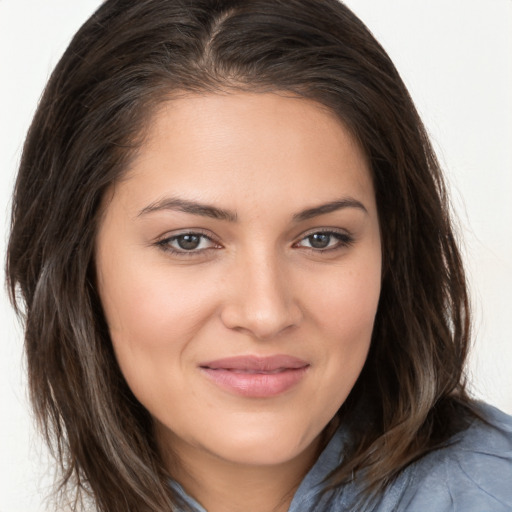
257,377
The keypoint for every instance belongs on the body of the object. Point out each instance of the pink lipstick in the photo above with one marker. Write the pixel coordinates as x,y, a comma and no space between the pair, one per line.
257,377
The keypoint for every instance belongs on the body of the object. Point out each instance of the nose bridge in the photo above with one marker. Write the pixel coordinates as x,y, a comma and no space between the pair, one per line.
261,300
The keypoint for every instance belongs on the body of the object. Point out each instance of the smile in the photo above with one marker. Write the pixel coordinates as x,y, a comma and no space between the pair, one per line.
256,377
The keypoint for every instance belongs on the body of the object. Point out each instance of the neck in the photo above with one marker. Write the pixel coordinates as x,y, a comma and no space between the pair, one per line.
224,486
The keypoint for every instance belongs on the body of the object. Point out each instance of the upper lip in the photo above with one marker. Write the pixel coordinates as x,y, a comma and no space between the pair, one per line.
251,362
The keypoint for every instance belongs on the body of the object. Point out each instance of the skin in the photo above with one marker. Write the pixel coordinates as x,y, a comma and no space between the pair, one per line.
254,285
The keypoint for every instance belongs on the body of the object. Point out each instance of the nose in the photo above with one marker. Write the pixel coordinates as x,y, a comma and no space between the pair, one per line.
260,298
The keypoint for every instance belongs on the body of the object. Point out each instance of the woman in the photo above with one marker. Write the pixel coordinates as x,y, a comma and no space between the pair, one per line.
246,292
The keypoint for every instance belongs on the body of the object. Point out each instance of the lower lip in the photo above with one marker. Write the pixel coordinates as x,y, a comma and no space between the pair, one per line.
256,385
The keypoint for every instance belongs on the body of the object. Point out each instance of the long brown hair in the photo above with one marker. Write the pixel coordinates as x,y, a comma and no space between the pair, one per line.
125,60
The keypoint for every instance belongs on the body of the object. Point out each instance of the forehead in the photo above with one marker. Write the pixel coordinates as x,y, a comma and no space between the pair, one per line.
247,149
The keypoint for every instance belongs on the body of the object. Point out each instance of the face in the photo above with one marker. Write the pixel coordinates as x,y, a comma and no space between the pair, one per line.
239,268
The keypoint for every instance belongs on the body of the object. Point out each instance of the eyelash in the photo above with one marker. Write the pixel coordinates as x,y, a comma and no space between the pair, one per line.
344,240
164,244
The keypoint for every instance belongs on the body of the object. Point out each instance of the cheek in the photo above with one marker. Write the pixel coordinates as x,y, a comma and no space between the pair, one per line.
346,303
147,304
150,328
345,315
152,314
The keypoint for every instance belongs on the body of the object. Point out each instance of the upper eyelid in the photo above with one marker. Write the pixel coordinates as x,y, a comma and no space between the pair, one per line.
164,243
336,231
208,234
194,231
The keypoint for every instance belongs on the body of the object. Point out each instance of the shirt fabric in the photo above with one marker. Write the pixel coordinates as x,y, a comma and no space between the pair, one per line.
473,473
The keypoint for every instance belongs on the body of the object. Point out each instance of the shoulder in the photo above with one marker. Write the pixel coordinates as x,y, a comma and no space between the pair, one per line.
472,473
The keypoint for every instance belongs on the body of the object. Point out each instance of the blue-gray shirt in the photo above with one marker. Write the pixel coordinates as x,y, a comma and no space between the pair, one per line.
472,474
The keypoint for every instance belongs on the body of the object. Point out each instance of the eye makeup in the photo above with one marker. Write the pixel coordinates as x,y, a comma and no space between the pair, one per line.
196,242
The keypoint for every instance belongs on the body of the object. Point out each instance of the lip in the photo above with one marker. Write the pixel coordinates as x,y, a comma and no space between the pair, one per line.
254,376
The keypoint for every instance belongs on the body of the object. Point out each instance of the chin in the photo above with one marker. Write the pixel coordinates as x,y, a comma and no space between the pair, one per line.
259,454
263,447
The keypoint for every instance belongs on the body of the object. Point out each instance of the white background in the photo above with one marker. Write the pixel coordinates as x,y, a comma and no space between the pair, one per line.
456,58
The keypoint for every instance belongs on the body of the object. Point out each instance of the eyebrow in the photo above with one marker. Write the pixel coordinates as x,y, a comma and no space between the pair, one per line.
206,210
332,206
193,207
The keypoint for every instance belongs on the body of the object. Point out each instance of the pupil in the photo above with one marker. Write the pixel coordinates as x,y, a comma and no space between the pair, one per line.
319,240
189,242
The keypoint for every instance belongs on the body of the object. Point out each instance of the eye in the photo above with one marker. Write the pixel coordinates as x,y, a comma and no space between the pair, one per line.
187,243
325,240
